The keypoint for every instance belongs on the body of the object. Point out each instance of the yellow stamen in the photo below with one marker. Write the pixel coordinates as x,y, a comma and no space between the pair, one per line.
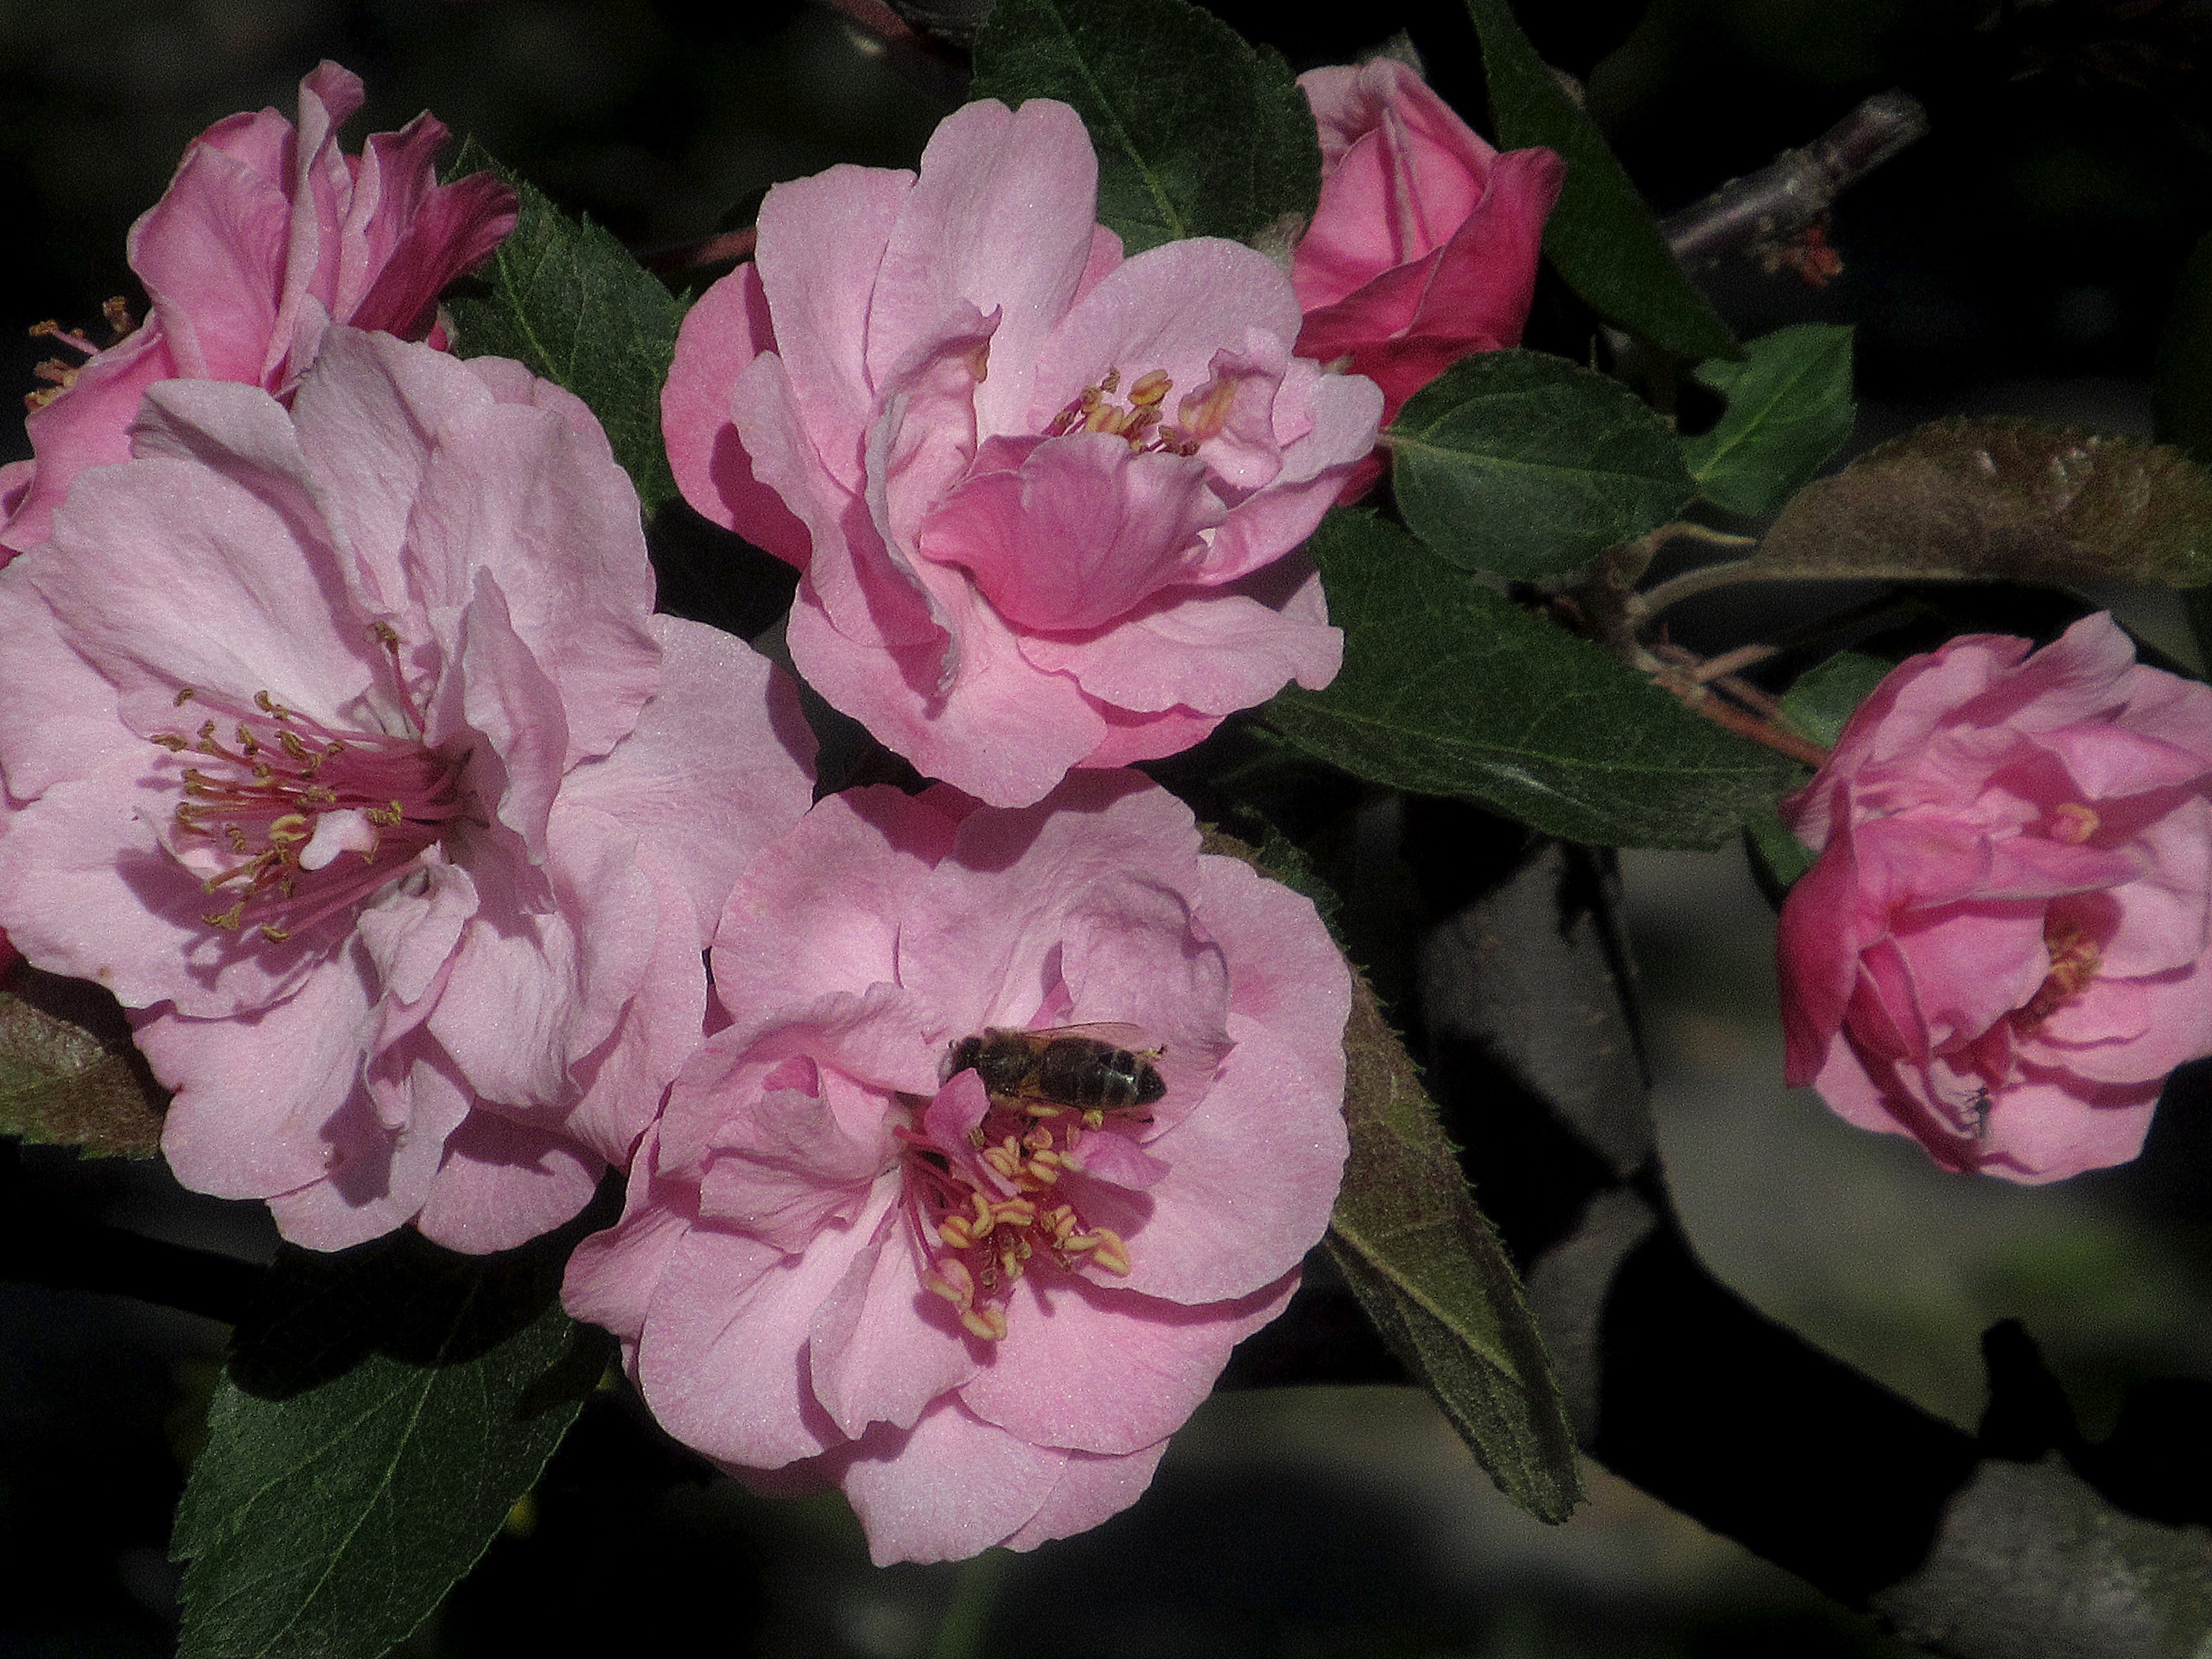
2073,822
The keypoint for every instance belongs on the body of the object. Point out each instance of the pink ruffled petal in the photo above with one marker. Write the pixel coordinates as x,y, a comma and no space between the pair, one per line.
1084,531
1097,1370
87,425
983,934
881,1348
722,1360
947,1488
821,243
999,219
1208,650
1168,309
1229,1219
1004,730
818,911
725,328
720,762
501,1184
1091,1488
256,1094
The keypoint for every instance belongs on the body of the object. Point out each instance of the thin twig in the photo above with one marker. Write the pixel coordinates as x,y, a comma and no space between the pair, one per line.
1794,189
1652,600
1725,665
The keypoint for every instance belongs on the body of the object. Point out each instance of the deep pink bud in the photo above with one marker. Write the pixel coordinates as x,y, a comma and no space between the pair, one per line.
1424,247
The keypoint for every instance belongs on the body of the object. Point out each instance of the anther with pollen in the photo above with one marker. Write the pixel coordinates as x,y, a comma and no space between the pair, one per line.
293,819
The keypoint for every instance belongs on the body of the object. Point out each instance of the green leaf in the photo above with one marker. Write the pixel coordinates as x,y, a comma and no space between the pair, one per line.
1429,1270
2014,499
1526,464
563,298
1198,134
1790,409
1602,237
1448,689
381,1413
1776,848
2181,384
69,1076
1824,698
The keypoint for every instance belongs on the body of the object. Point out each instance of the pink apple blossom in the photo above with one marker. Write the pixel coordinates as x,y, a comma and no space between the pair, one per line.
342,747
981,1316
267,233
1042,494
2002,950
1424,247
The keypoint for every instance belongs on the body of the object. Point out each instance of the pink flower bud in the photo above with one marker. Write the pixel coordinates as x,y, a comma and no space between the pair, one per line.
1423,248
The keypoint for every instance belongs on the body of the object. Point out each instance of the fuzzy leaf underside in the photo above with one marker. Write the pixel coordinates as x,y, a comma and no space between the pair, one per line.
67,1074
2002,499
1428,1268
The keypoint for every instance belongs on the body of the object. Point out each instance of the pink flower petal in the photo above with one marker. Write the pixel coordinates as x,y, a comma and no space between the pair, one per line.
950,1487
702,774
818,911
1168,309
722,1360
501,1184
1098,1370
1208,650
1091,1488
881,1347
725,328
999,219
1081,532
821,242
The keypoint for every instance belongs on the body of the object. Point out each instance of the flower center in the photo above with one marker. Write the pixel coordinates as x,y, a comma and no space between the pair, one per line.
59,374
269,815
991,1231
2074,959
2073,822
1139,416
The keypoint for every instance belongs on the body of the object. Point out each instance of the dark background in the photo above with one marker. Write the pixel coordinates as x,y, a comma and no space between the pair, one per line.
2020,259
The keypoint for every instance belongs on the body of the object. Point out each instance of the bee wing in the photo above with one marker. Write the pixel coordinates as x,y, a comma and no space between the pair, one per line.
1134,1038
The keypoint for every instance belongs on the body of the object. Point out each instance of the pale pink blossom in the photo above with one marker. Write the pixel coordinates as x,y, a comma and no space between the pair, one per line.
341,745
268,233
1041,495
2003,949
1424,247
981,1318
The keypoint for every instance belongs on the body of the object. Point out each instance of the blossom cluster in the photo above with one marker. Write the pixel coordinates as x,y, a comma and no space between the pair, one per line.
343,745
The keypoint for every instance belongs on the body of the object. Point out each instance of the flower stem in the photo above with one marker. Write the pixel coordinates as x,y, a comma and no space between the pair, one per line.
961,1634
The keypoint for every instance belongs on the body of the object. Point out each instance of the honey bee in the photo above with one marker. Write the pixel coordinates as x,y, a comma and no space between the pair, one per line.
1088,1068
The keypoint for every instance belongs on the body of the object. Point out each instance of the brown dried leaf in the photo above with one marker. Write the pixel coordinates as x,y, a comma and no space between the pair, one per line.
69,1075
2019,500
